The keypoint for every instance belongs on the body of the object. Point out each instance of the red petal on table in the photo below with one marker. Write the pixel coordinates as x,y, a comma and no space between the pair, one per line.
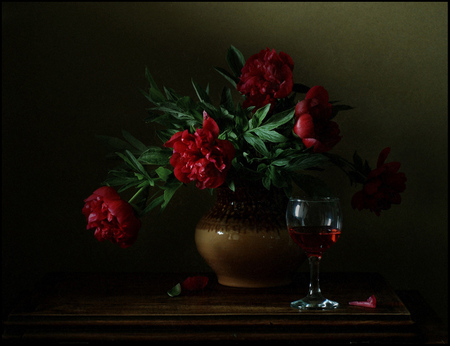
195,283
371,302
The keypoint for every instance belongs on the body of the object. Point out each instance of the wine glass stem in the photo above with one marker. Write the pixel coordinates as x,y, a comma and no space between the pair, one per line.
314,287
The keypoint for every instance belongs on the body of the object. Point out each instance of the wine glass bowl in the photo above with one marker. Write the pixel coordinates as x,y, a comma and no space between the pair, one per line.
315,225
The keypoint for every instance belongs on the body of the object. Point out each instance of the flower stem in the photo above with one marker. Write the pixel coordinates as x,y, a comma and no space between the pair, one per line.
136,194
347,166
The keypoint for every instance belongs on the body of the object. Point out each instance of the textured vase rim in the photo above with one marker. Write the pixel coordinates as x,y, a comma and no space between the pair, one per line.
314,199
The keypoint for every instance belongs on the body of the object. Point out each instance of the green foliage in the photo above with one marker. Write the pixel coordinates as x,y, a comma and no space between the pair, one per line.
266,148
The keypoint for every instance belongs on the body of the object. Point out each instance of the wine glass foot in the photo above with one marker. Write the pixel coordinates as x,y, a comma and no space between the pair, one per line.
308,303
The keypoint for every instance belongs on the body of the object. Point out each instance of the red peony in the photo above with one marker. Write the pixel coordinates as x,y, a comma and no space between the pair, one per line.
313,124
265,77
112,218
382,187
201,156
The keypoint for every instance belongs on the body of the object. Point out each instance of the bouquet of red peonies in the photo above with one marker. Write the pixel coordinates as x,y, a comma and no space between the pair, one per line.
274,138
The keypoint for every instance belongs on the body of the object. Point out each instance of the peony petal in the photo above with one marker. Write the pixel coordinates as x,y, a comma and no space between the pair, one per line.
173,139
107,192
119,209
195,283
179,147
318,92
210,125
287,60
383,156
371,187
371,302
312,142
228,149
285,87
302,107
180,175
358,200
304,127
392,167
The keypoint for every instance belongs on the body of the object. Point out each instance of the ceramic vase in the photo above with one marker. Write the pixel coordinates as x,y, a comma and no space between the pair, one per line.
244,238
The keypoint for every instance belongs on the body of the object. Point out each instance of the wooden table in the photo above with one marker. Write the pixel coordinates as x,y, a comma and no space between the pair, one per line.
90,307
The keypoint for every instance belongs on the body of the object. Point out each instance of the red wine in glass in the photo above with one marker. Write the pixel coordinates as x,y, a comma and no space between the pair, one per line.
314,240
315,225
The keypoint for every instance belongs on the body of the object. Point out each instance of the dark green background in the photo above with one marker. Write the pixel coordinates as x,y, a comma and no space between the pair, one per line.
74,70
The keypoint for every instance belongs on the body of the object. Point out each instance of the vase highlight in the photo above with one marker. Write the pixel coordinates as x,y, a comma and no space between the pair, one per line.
244,238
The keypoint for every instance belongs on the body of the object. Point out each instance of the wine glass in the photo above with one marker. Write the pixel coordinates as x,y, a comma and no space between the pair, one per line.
314,224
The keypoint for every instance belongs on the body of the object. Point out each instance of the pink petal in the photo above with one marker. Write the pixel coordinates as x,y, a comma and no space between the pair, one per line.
371,302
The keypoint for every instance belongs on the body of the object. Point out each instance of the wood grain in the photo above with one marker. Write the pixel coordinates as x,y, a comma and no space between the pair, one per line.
81,307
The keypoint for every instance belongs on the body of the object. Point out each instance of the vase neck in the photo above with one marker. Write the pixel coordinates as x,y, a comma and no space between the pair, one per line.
252,195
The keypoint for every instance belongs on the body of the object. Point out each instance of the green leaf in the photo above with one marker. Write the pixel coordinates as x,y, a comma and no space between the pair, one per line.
337,108
201,93
168,194
266,182
228,76
154,95
259,116
122,179
271,136
357,161
139,176
163,173
235,60
127,160
256,143
136,163
282,162
156,156
175,291
241,122
277,179
306,161
150,79
134,141
261,167
185,103
279,119
145,183
171,186
153,204
133,162
231,185
171,94
311,185
115,143
226,100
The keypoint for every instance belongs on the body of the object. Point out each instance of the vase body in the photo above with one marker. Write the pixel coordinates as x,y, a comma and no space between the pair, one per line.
244,238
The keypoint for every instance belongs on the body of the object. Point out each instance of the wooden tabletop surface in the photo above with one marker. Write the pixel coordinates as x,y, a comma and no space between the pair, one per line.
84,307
